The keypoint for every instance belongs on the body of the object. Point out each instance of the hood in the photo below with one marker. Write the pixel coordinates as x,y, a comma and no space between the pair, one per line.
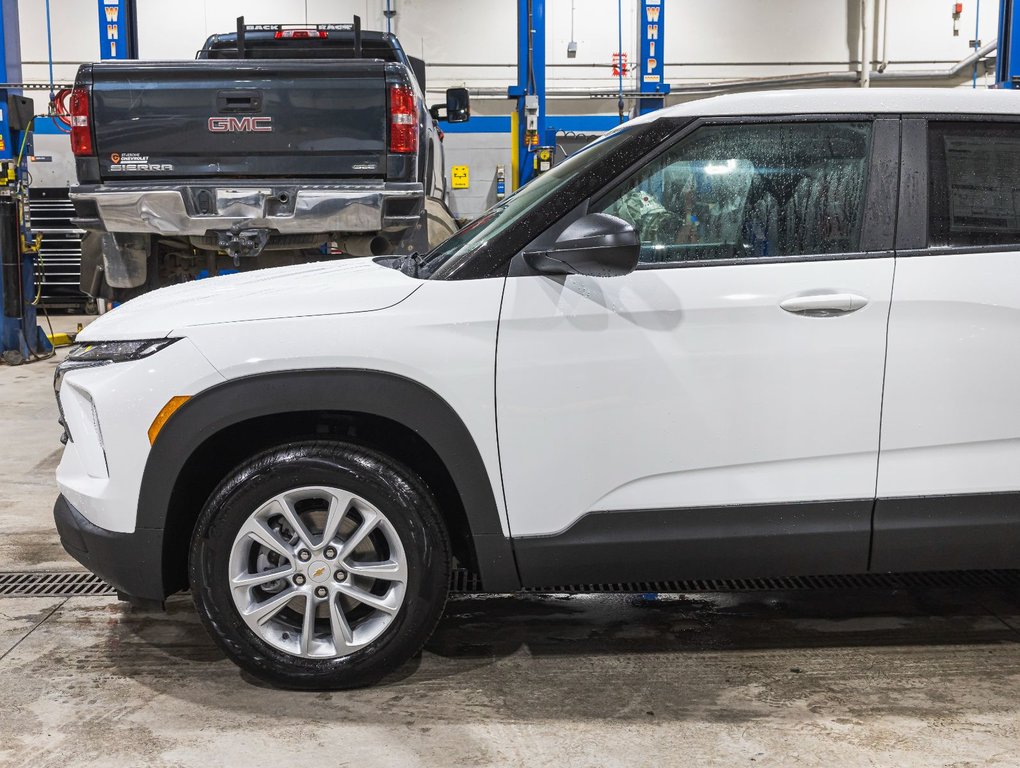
322,288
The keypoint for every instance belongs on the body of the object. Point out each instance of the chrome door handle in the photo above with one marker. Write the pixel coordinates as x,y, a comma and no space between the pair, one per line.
824,304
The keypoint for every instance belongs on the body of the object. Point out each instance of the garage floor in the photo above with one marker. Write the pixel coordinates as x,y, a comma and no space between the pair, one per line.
838,677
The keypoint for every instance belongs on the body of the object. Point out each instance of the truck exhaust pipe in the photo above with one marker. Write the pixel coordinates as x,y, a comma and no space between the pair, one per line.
365,245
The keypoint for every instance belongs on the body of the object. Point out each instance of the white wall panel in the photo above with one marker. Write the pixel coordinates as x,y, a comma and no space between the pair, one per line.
340,11
176,35
75,27
464,41
474,41
75,35
922,31
596,31
481,152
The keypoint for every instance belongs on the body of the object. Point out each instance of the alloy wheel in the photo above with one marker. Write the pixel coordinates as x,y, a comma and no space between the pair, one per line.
318,572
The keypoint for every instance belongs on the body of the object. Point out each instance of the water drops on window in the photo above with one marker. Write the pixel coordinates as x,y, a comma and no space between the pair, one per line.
750,191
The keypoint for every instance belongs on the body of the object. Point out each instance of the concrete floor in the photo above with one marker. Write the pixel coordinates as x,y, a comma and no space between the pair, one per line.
29,453
838,678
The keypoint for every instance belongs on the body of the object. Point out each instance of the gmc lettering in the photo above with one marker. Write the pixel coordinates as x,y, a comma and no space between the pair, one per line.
240,124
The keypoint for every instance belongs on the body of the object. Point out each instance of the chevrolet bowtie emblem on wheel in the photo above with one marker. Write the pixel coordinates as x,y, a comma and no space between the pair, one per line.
319,572
240,124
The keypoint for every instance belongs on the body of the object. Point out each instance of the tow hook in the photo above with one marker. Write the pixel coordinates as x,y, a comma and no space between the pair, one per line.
238,242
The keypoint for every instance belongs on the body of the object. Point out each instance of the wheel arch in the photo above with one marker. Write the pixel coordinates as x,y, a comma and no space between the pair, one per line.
217,428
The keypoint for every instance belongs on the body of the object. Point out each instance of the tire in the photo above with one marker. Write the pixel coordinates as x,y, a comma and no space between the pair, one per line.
256,513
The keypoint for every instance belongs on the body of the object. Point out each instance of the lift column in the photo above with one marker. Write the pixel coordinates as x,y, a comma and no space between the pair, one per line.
1007,61
118,29
529,117
651,42
20,336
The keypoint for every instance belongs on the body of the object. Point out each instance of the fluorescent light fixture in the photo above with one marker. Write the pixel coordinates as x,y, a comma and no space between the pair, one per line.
720,168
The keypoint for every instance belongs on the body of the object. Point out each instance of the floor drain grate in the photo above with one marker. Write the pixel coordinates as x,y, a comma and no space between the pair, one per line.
52,585
85,584
463,581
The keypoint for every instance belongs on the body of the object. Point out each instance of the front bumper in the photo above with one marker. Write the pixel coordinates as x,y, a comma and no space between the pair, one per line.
292,208
132,563
108,410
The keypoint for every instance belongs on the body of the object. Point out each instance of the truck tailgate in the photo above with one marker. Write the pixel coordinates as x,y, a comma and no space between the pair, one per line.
261,118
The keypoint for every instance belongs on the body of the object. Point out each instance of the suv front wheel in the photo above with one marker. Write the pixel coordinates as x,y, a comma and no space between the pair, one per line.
320,565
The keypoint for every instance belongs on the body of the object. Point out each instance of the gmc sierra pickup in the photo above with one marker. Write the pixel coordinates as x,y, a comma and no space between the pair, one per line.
278,145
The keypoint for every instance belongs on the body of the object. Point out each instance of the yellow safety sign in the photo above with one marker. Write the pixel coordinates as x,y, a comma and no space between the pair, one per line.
459,177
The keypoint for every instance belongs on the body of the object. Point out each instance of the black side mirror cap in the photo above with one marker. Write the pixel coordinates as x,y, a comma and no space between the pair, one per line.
596,245
457,108
458,105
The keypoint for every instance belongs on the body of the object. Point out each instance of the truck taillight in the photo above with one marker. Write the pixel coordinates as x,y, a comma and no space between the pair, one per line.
81,130
403,120
300,34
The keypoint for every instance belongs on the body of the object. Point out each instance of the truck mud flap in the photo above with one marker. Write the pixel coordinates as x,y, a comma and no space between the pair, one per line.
121,259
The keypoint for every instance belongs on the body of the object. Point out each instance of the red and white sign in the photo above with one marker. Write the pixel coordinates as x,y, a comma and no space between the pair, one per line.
619,62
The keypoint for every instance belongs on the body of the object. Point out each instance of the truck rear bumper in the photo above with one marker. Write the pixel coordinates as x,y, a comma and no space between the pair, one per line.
292,208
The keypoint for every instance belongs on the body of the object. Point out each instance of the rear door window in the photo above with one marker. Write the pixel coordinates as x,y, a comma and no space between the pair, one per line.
973,184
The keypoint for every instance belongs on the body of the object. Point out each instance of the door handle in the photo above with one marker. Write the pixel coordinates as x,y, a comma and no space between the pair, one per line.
241,100
824,304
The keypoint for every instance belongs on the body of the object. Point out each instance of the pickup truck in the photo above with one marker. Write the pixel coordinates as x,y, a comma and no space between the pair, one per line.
276,146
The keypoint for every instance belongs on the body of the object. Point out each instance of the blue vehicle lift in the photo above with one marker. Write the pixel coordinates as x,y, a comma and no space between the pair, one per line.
651,38
21,338
1007,62
531,126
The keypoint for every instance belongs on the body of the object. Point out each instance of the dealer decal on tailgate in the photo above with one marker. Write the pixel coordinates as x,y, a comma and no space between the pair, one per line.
130,161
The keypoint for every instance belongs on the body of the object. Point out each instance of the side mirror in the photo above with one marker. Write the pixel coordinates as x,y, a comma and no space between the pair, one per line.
457,107
597,245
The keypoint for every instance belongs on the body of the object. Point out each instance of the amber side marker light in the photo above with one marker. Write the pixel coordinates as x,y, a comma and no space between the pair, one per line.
164,415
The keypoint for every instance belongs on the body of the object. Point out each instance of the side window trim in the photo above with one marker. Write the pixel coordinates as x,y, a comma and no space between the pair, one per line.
912,207
877,230
878,223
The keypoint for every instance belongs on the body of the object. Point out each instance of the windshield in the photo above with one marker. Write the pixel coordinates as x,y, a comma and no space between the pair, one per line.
494,221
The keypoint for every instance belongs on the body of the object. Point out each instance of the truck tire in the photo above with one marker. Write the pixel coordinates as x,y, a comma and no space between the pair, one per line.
320,565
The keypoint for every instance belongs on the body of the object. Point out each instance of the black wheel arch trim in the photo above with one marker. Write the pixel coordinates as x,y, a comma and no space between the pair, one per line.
369,392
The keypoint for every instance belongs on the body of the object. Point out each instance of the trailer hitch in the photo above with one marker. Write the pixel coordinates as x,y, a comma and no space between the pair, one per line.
239,242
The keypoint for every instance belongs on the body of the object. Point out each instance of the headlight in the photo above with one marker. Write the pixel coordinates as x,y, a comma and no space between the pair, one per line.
101,353
117,351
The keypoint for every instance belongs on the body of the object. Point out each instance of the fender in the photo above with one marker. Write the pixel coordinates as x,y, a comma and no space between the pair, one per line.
360,391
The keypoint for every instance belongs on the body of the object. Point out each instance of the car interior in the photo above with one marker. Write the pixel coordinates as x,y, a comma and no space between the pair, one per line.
750,191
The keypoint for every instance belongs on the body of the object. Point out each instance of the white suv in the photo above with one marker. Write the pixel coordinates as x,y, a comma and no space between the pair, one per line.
756,335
